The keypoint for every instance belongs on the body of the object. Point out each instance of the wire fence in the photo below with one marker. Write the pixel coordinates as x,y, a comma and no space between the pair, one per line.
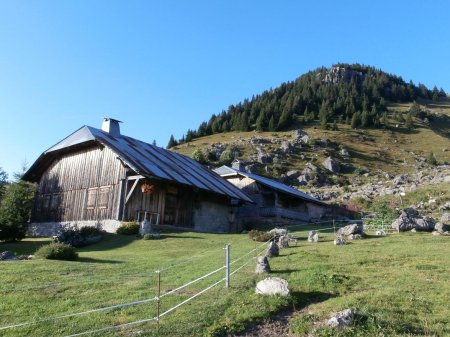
245,259
229,268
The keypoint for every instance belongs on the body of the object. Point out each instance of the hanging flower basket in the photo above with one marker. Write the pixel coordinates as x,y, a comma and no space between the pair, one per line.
147,188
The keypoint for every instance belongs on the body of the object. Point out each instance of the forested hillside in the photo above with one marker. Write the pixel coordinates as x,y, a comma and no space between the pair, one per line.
354,94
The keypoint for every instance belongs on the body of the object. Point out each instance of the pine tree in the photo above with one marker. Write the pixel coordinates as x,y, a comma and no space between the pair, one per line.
356,120
272,124
172,142
409,122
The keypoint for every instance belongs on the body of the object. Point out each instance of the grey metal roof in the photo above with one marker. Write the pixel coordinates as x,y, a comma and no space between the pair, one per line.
228,171
150,161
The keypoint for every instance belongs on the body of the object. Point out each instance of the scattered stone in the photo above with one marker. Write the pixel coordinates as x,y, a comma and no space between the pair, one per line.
399,180
313,236
441,228
331,165
277,232
344,153
262,265
413,230
26,257
339,242
145,227
272,249
350,229
355,237
272,286
283,241
410,219
445,218
341,319
298,134
380,233
305,139
293,174
7,256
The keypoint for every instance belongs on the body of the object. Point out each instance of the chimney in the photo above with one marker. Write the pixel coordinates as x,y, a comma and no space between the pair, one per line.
111,126
238,165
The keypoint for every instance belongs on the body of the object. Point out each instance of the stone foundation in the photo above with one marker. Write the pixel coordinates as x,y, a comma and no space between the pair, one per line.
51,228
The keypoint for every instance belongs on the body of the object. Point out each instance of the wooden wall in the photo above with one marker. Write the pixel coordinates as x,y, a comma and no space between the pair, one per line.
82,185
172,202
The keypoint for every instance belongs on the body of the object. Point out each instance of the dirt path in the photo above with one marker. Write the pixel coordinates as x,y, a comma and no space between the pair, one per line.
275,326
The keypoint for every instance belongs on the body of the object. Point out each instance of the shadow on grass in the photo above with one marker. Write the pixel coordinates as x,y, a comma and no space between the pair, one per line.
304,299
91,260
163,236
25,247
110,241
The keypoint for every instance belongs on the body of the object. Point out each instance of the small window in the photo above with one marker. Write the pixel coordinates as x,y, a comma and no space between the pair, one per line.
103,196
91,198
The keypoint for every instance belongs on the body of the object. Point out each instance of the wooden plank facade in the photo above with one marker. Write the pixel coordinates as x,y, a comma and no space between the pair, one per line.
101,177
83,185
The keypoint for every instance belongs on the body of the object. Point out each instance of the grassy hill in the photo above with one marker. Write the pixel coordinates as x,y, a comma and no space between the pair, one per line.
395,288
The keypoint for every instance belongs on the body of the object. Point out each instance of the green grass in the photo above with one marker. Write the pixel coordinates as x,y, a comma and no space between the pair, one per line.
398,285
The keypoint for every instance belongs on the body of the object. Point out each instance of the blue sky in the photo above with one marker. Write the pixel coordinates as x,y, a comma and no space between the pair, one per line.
163,67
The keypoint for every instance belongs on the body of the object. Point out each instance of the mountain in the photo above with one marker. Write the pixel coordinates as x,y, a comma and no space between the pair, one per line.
396,149
351,94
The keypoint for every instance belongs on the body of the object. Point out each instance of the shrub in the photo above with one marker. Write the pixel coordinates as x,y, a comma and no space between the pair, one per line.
15,211
57,251
88,231
72,235
128,228
259,236
198,156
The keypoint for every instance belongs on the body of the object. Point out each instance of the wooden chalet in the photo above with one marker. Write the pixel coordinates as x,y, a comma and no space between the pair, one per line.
272,200
100,177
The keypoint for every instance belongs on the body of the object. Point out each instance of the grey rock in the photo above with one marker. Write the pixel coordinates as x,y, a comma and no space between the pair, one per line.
341,319
272,286
344,153
298,134
441,228
350,229
339,241
7,256
313,236
331,165
262,265
410,219
283,241
145,227
399,180
293,174
272,249
355,236
277,232
305,139
445,218
380,233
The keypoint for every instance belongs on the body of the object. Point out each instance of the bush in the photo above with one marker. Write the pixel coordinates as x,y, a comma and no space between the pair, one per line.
259,236
72,235
57,251
128,228
15,211
198,156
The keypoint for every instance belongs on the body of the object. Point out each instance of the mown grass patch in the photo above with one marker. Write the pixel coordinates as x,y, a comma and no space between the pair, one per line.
397,284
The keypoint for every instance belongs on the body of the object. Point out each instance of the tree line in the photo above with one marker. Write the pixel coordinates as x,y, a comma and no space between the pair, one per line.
352,94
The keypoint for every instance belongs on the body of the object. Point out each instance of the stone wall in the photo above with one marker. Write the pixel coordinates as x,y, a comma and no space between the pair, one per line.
213,217
51,228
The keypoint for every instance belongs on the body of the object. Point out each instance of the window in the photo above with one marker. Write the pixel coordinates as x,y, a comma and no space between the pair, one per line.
91,198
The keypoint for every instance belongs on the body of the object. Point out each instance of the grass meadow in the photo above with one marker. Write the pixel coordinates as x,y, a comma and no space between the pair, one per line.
399,286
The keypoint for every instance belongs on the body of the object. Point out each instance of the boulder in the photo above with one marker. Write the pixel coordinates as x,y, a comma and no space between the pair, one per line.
7,256
305,139
341,319
441,228
283,241
399,180
380,233
277,232
272,249
272,286
298,134
410,219
339,241
145,227
293,174
350,229
331,165
313,236
445,218
355,237
344,153
262,265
